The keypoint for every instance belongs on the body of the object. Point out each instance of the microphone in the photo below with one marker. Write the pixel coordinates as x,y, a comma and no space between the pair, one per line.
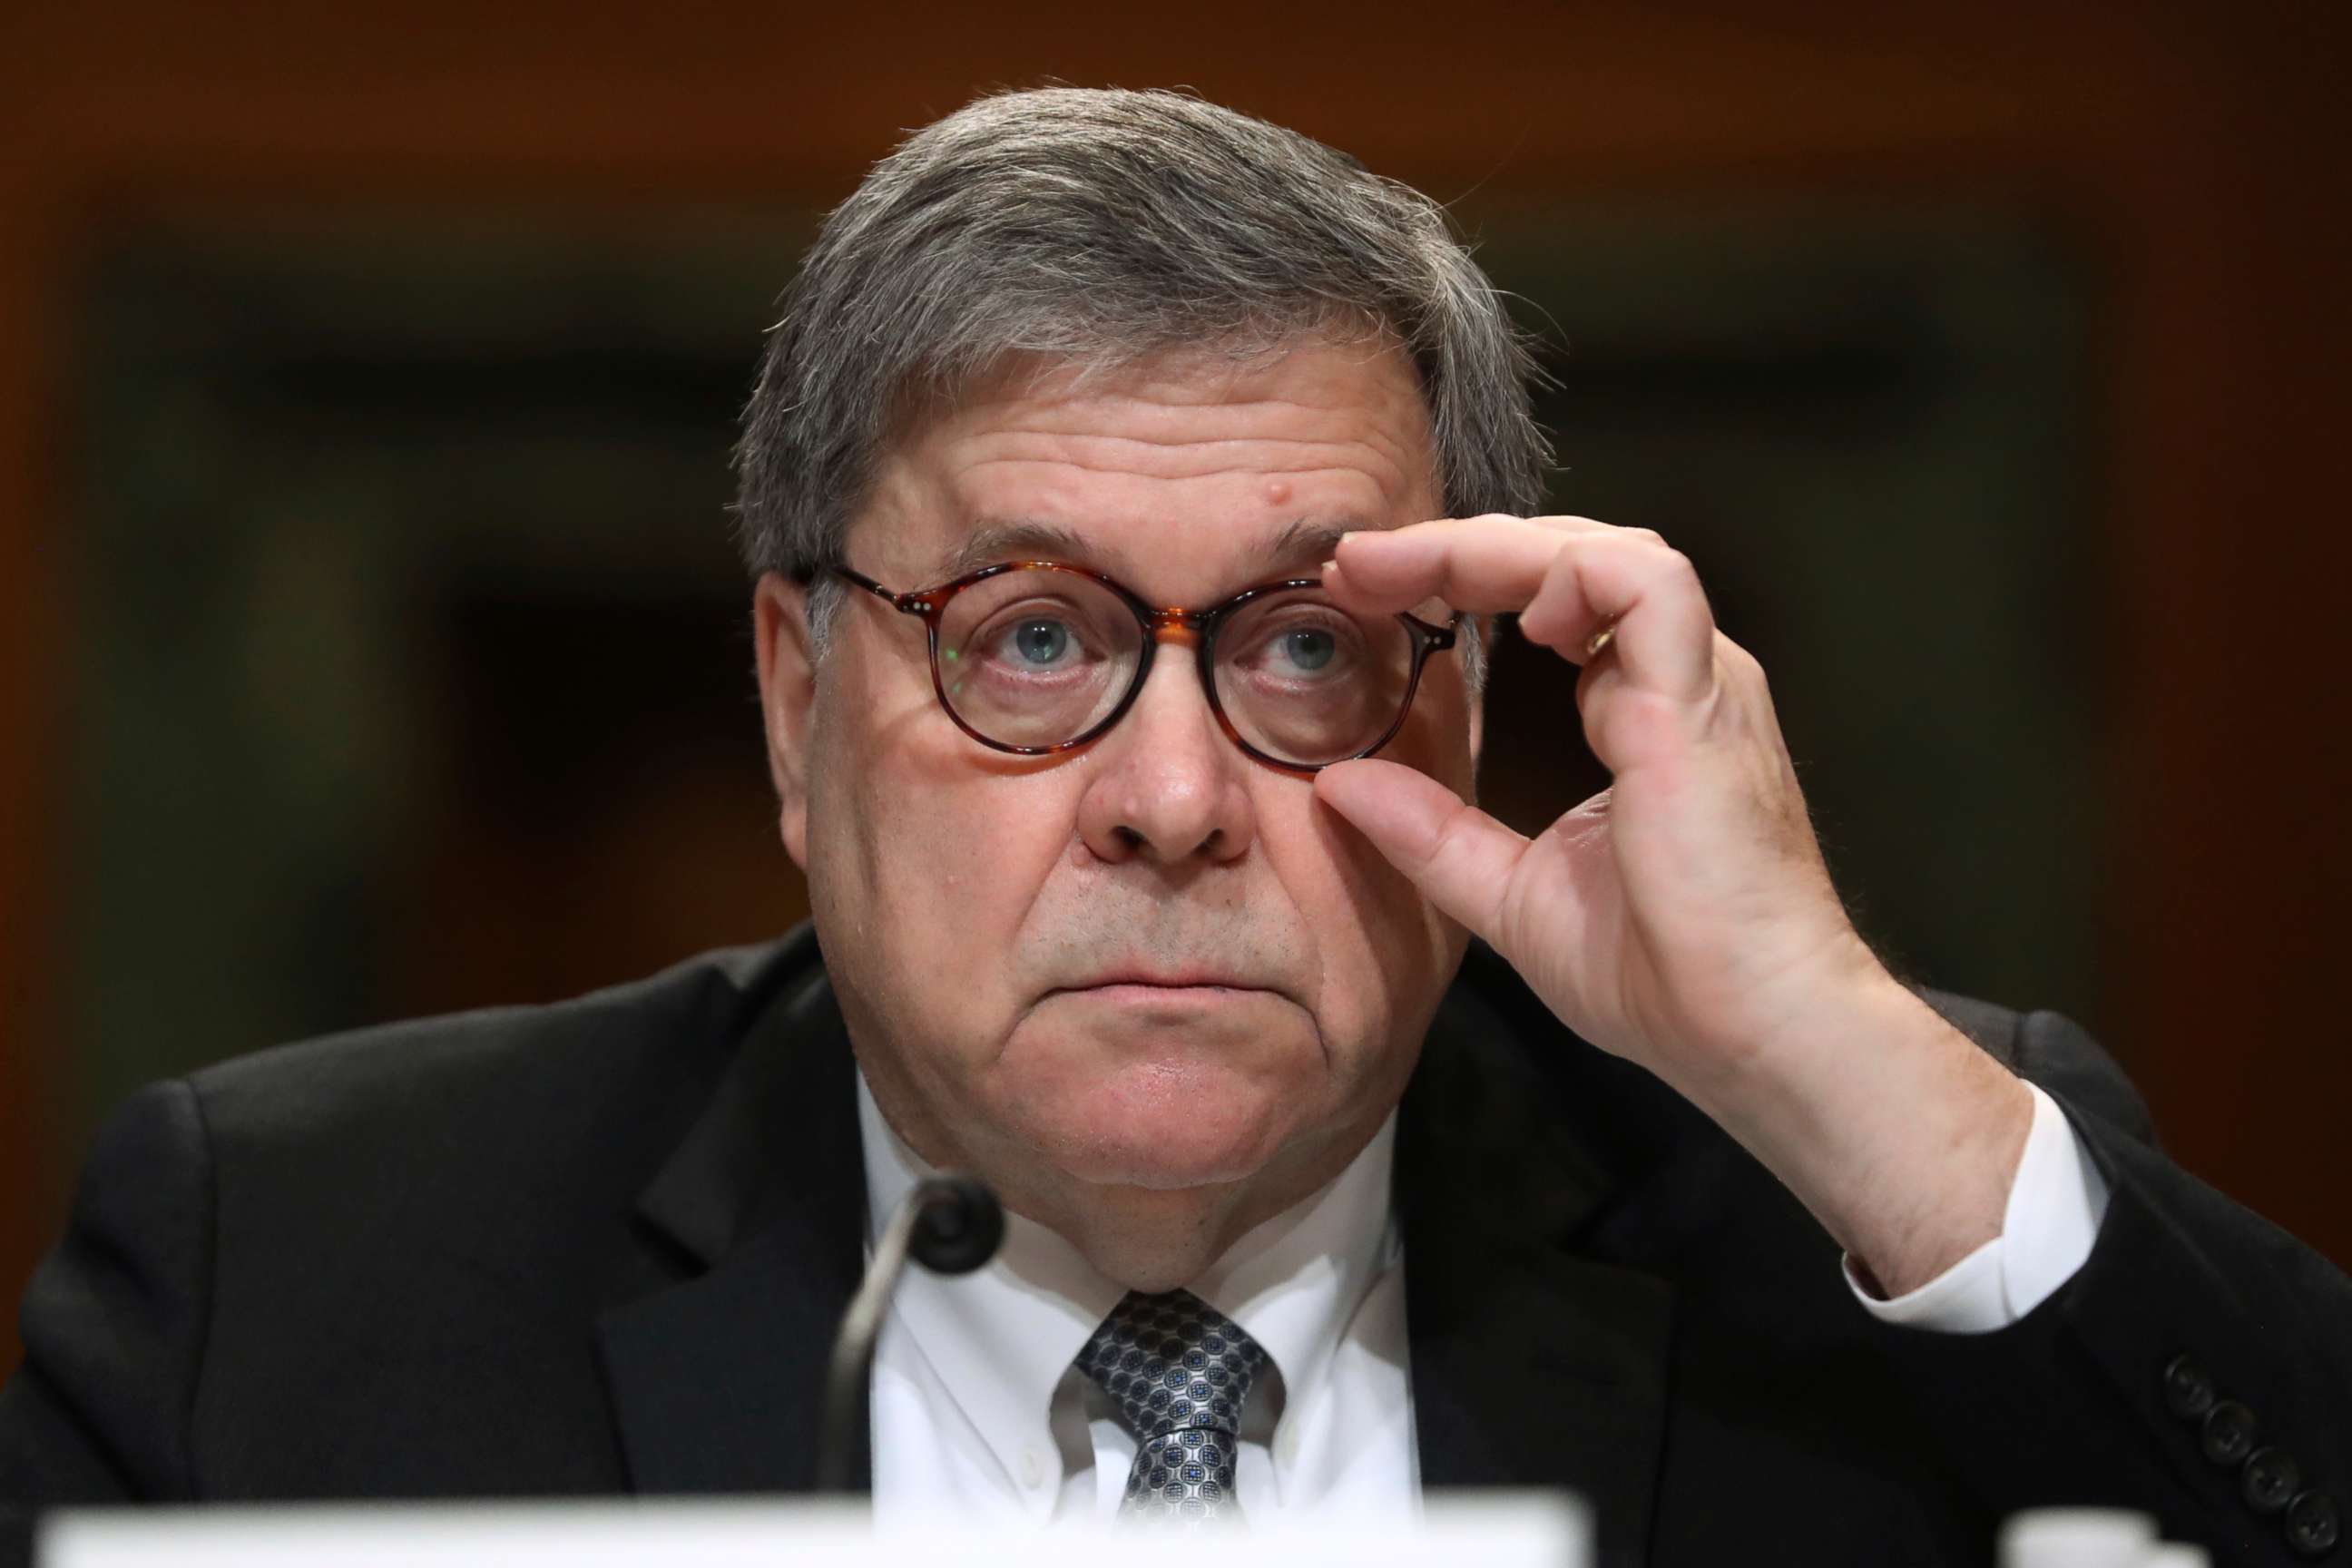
950,1224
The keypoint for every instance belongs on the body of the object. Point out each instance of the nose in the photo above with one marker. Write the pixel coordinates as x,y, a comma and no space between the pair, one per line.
1167,787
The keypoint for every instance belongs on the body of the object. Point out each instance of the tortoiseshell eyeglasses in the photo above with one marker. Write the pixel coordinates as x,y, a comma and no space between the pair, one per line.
1039,657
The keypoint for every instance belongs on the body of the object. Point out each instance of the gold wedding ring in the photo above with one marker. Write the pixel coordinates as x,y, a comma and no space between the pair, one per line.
1599,640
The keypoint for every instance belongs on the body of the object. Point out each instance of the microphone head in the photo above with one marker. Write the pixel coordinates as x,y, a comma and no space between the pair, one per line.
959,1225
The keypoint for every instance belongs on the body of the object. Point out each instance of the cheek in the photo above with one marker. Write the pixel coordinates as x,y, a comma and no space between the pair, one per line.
1436,734
925,855
1383,952
1388,953
932,856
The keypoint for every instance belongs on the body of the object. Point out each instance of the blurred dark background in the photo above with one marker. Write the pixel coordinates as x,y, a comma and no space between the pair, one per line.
370,642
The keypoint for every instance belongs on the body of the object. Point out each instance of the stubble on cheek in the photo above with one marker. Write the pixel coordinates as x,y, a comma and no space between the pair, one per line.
938,895
1406,951
913,884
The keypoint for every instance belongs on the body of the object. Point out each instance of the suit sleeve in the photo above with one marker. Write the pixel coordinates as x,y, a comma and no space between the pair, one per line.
113,1324
2198,1367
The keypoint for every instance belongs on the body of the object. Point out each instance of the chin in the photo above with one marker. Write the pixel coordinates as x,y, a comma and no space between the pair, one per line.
1162,1126
1117,1090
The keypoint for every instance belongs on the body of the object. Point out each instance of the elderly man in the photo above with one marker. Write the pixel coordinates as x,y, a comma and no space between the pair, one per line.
1129,486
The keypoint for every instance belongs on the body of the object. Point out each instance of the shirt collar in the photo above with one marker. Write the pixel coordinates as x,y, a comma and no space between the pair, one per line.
1002,1337
1295,1282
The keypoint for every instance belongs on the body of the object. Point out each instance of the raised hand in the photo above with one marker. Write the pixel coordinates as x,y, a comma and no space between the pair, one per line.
1683,918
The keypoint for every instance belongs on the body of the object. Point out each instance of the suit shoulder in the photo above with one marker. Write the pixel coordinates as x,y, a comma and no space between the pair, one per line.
592,1065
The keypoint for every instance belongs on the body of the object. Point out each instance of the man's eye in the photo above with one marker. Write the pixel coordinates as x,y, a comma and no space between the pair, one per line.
1304,648
1307,648
1037,643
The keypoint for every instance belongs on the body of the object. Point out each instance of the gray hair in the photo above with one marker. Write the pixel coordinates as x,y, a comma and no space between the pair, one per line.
1100,229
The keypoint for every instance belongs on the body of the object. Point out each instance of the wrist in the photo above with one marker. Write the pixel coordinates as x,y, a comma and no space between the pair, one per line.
1894,1130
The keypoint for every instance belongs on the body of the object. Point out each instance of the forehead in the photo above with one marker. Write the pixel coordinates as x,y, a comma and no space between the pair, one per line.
1188,464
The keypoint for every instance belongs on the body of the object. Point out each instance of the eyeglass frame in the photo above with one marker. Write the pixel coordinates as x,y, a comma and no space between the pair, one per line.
1157,622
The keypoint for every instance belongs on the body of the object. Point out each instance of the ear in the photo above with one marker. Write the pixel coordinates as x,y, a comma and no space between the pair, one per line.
787,700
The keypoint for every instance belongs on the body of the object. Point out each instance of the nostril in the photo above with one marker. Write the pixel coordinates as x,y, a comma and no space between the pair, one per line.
1129,837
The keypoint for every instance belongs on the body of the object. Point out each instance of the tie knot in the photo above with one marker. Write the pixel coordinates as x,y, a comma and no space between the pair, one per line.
1171,1362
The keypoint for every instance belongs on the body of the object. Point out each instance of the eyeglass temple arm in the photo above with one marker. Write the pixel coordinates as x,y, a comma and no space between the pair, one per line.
904,603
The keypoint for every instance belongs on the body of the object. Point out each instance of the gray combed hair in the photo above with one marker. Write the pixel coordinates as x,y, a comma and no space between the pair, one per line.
1100,229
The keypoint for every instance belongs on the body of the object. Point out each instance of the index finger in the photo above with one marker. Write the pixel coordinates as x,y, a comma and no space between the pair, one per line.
1572,579
1482,565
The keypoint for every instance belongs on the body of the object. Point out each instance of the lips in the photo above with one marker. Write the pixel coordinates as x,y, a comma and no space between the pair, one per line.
1174,982
1169,983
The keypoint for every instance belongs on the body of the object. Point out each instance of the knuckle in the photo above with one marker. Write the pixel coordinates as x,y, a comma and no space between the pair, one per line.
1455,838
1741,669
1675,569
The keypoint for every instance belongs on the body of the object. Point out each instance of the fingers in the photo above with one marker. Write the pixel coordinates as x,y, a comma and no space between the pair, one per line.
1461,859
1476,564
1569,578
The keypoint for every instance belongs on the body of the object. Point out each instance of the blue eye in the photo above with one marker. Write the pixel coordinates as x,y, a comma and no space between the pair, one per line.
1308,648
1040,642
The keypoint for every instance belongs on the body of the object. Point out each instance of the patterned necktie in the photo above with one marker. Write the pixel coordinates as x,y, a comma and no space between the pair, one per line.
1177,1370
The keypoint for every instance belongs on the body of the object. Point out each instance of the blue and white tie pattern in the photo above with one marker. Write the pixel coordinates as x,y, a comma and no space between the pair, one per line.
1177,1370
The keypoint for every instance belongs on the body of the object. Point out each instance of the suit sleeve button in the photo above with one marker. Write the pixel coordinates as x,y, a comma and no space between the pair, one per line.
2312,1524
2186,1389
2269,1478
2228,1435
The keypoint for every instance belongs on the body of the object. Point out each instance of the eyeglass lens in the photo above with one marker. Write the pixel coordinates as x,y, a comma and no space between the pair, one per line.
1037,657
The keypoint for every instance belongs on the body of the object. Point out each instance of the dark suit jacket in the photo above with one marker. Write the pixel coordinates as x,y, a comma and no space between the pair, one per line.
601,1247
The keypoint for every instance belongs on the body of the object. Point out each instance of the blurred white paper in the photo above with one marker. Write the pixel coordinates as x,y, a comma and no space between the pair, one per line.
2076,1538
1507,1529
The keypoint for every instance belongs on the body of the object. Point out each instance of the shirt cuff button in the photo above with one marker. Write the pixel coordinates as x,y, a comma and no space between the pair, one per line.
2187,1390
2228,1435
2269,1478
2312,1524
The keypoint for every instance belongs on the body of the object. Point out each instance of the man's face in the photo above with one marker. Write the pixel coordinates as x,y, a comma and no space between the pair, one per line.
1152,964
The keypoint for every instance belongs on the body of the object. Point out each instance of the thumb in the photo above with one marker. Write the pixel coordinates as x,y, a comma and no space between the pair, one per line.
1461,859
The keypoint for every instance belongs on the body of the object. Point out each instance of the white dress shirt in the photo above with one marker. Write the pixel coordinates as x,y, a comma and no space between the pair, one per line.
978,1407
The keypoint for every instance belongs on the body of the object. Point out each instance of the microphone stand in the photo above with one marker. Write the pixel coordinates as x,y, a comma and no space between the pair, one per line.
950,1224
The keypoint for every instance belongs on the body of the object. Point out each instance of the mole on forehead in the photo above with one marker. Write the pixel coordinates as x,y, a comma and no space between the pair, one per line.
1299,542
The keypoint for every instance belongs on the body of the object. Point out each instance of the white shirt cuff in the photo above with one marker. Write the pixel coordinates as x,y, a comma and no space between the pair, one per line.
2056,1200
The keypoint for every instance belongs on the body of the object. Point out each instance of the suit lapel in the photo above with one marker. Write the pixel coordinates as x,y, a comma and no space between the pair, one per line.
1531,1365
717,1382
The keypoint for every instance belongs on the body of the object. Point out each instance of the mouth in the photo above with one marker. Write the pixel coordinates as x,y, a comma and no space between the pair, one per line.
1160,986
1165,987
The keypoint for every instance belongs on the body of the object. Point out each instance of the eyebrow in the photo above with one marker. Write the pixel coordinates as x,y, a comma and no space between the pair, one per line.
1296,543
1018,539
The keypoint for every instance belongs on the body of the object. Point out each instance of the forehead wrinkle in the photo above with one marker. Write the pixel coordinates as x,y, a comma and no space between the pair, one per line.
1369,454
1391,489
993,540
1357,434
1163,399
